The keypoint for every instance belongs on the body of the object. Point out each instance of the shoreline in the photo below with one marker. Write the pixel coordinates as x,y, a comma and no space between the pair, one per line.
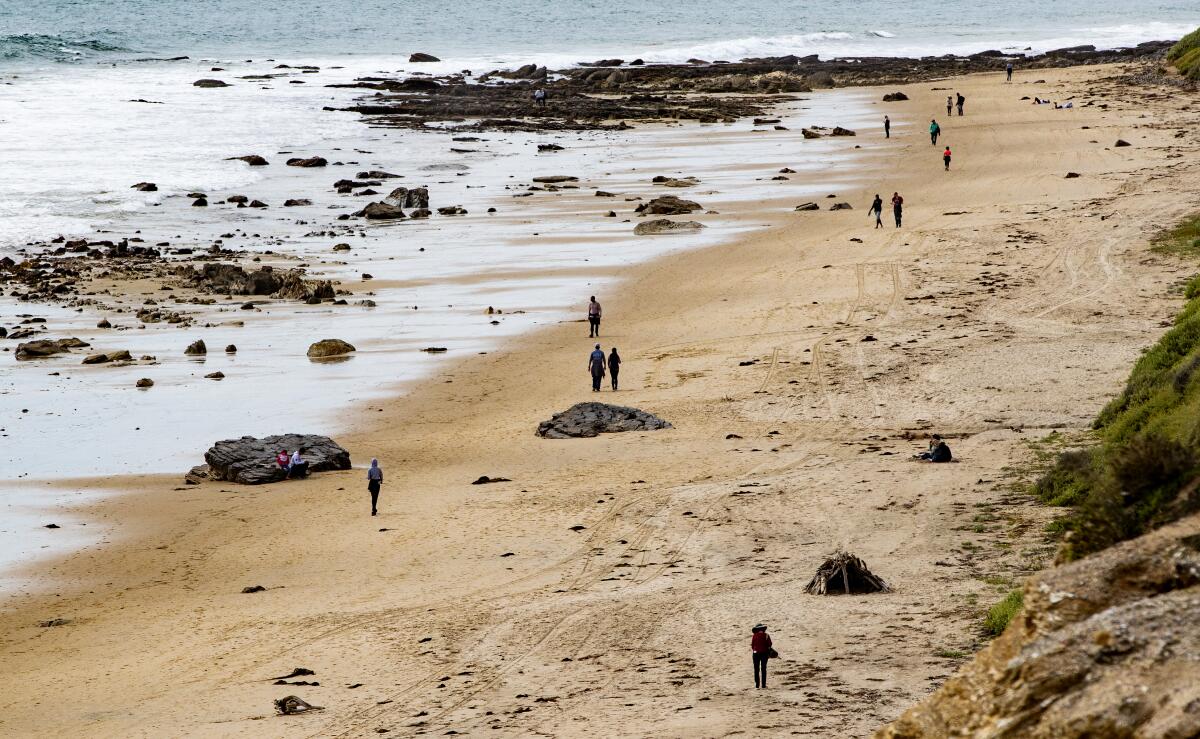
349,622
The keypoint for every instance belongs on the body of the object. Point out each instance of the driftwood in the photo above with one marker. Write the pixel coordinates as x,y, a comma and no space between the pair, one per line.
843,573
292,705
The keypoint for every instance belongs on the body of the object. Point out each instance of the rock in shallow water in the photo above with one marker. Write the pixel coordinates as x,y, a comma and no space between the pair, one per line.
251,461
663,225
329,348
592,419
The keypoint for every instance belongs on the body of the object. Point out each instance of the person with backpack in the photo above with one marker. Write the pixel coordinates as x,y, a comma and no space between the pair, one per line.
596,364
934,131
762,651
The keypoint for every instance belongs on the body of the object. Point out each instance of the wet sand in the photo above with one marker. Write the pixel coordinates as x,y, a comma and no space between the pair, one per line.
470,608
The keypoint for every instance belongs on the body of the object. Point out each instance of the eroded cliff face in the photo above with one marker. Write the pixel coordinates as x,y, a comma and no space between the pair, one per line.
1108,646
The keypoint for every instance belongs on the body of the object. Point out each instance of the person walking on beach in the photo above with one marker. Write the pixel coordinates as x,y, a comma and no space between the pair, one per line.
614,367
949,105
374,481
887,127
596,367
934,131
877,210
1008,71
594,318
961,101
898,208
760,648
946,157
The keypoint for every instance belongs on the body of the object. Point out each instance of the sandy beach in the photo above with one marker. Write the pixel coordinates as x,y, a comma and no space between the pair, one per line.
609,588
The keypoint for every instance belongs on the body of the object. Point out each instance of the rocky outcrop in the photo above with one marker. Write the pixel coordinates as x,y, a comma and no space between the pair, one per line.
381,212
665,226
894,97
210,83
231,279
329,348
405,197
47,348
422,57
1108,646
196,348
254,160
591,419
669,205
251,461
309,162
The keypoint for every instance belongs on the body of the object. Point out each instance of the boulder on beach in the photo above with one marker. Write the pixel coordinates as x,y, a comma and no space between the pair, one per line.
664,226
422,57
307,162
254,160
232,279
145,187
408,197
295,202
841,206
808,206
555,179
329,348
196,348
894,97
144,383
251,461
380,212
669,205
839,131
47,348
210,83
810,134
591,419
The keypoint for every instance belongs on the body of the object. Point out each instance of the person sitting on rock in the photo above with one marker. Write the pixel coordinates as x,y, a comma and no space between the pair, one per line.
283,459
298,468
938,451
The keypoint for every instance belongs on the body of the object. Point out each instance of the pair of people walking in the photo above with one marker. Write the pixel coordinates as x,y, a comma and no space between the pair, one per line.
877,209
598,365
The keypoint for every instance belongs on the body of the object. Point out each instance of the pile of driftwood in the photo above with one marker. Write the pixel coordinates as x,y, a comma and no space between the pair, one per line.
845,573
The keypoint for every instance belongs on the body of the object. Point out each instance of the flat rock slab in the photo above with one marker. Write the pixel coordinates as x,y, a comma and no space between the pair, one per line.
251,461
591,419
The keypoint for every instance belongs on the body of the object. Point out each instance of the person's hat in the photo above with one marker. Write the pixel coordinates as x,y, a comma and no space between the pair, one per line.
759,627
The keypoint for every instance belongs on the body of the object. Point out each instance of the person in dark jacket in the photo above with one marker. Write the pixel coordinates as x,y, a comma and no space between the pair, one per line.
614,367
887,127
898,208
877,210
960,103
374,481
596,365
760,647
939,451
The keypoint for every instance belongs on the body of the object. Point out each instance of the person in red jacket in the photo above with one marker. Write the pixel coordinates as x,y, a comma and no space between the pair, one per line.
946,158
760,645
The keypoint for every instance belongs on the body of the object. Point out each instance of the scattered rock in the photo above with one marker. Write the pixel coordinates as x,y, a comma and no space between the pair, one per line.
434,349
54,622
810,134
841,206
1122,142
144,382
254,160
231,349
210,83
329,348
452,210
591,419
380,212
1072,175
251,461
549,147
422,57
295,202
215,376
146,187
808,206
196,347
253,589
555,179
200,203
405,197
668,205
309,162
893,97
47,348
485,480
663,225
104,323
839,131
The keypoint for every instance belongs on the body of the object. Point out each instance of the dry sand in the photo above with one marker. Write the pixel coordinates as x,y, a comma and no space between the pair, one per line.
476,609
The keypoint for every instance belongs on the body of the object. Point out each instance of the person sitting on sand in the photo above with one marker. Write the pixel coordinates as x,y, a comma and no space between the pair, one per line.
877,210
283,459
614,367
760,648
938,451
596,365
934,131
298,468
374,481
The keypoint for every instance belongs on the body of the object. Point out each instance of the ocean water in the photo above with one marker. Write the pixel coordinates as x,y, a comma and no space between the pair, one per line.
478,32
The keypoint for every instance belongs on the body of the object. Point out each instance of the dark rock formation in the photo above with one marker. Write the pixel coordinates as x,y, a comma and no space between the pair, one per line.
329,348
146,187
893,97
231,279
669,205
196,348
404,197
380,212
210,83
251,461
254,160
423,57
309,162
591,419
664,226
47,348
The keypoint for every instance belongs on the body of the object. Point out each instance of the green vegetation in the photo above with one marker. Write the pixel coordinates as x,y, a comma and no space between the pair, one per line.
1000,614
1144,470
950,653
1185,55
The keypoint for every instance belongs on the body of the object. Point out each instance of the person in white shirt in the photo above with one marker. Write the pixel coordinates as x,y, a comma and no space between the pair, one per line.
298,467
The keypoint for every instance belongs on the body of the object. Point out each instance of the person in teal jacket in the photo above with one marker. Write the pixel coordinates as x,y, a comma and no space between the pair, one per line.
934,130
